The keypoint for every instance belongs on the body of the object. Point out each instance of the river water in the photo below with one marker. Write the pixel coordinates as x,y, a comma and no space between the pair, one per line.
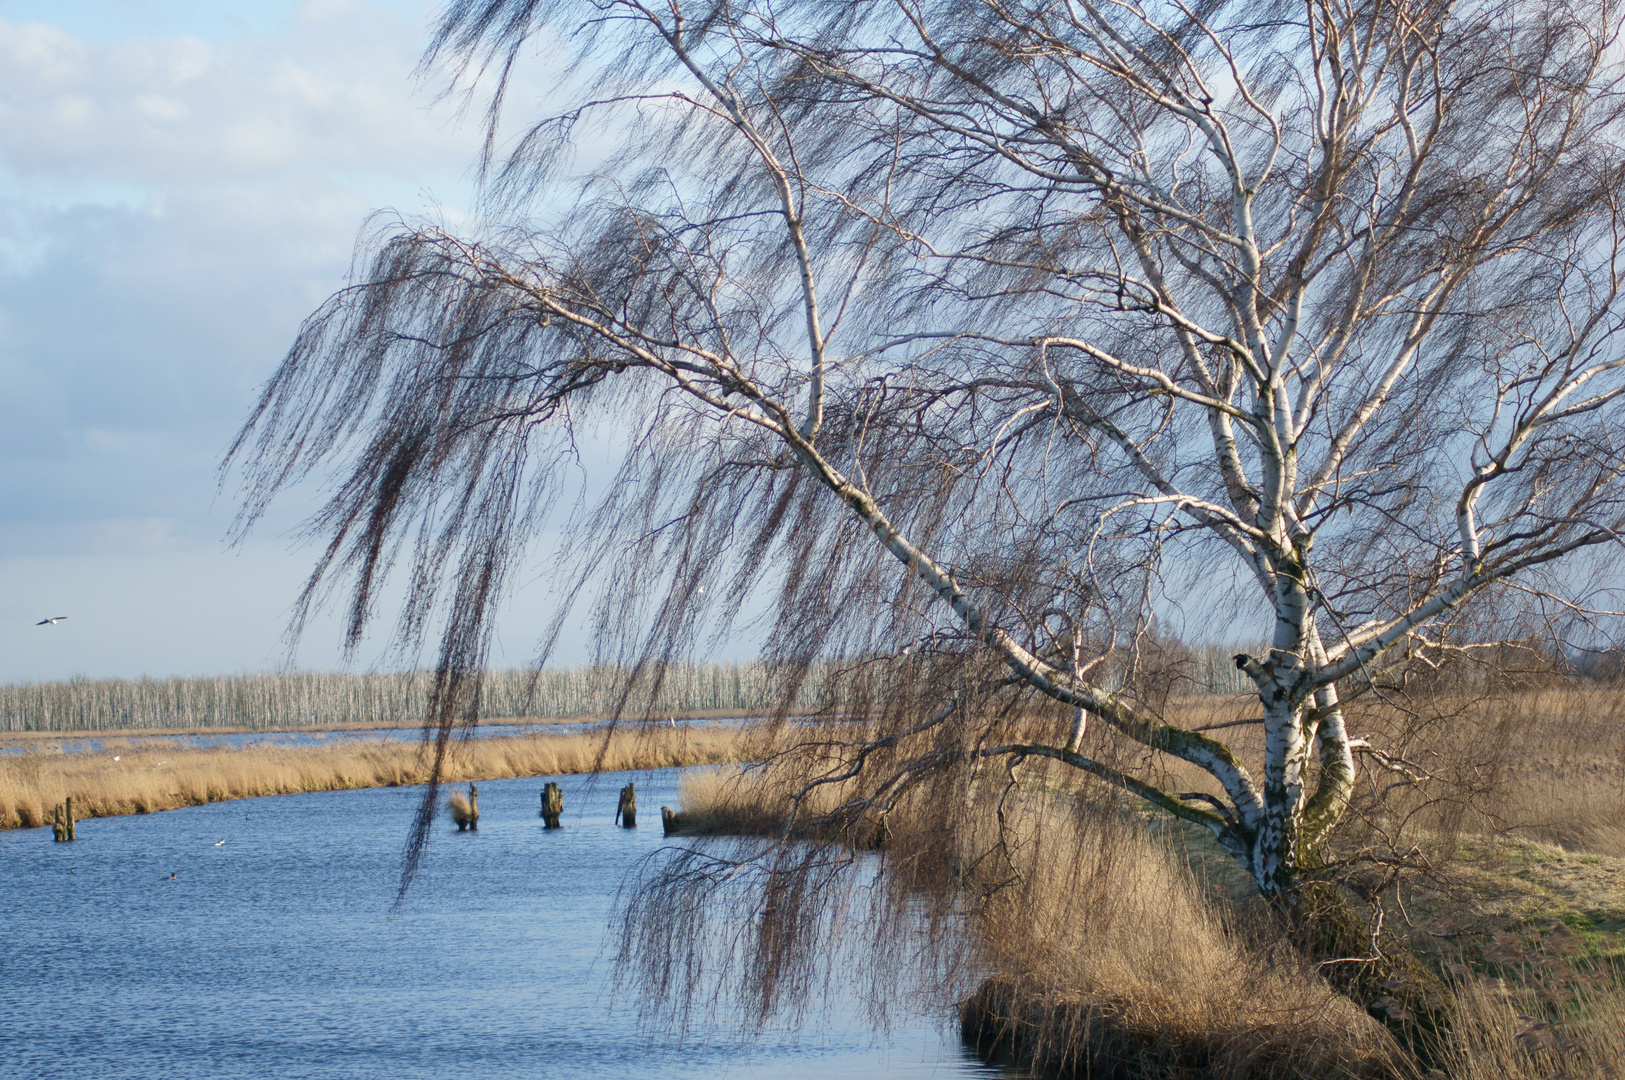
274,954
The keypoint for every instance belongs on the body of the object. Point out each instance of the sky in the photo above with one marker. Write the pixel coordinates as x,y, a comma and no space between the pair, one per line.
181,183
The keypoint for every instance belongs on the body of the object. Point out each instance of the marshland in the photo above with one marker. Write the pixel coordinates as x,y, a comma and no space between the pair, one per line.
981,367
1111,939
1115,940
124,777
135,746
345,700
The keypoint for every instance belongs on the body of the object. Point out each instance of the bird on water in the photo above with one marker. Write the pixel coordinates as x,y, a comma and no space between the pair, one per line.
52,621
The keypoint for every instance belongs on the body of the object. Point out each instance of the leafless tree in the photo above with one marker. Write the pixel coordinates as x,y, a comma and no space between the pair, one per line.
974,337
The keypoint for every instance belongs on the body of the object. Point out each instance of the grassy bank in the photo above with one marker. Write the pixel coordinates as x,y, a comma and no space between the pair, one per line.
1108,940
1114,950
162,774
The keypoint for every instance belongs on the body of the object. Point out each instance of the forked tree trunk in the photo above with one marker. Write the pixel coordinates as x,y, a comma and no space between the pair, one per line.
1283,852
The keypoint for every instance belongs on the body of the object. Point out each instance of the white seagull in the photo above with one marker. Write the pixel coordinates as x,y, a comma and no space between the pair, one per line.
52,621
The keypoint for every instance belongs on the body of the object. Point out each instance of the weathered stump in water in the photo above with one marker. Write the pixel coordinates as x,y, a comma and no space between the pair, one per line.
670,821
466,812
552,805
626,814
62,821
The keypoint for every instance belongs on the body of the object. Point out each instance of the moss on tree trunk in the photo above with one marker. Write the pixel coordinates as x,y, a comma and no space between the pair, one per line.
1382,976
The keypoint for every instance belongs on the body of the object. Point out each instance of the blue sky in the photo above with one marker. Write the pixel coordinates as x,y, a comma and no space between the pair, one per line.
181,182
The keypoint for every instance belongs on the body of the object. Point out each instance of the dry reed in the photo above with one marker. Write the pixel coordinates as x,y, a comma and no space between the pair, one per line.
1498,1036
1104,952
741,800
1107,957
164,774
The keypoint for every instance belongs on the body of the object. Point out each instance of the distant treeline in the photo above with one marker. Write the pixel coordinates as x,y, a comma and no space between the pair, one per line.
297,699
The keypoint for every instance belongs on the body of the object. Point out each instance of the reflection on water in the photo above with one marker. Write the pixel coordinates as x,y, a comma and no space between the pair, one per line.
273,954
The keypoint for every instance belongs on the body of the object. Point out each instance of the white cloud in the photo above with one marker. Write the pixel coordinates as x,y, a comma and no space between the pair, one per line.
330,92
171,206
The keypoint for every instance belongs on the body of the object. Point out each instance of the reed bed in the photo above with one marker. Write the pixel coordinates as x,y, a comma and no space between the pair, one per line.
1108,959
163,774
1499,1036
1119,945
1105,956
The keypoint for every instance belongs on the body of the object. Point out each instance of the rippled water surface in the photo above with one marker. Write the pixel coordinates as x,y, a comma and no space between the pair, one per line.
273,954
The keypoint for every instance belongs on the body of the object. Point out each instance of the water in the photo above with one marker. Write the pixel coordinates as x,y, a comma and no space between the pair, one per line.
274,954
193,739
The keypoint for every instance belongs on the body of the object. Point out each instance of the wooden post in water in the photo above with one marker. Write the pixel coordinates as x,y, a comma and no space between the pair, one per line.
466,812
552,805
627,812
59,831
668,821
67,814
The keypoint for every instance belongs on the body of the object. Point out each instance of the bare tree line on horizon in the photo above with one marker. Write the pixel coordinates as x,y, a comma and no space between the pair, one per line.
294,699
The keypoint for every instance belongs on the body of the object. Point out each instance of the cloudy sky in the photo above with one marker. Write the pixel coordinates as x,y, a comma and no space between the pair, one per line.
181,182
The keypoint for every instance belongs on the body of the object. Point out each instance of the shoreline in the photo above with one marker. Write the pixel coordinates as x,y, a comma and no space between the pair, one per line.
167,777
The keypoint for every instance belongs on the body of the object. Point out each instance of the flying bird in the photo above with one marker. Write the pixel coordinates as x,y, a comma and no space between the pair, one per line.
52,621
217,843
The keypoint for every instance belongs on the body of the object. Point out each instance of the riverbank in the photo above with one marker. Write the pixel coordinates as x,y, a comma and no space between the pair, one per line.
165,774
1113,942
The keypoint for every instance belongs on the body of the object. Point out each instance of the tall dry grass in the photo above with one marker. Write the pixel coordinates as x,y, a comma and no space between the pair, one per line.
1108,959
1103,955
742,800
1551,767
163,775
1499,1036
1544,764
1107,955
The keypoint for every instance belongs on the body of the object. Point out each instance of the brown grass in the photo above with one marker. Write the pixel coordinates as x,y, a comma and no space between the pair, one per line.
1121,942
1105,952
1500,1036
163,775
1109,956
737,800
69,735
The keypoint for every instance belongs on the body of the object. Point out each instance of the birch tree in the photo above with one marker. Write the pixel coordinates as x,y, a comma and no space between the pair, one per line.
971,337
